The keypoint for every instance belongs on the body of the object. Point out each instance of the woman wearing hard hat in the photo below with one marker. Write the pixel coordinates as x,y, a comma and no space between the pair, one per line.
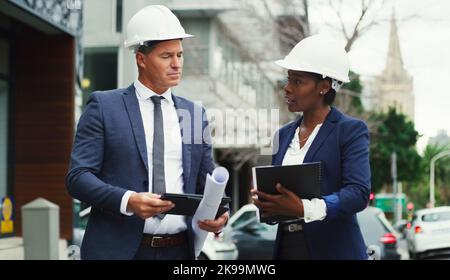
327,227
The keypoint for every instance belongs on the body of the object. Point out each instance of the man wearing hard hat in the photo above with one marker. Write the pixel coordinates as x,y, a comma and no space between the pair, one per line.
326,227
134,144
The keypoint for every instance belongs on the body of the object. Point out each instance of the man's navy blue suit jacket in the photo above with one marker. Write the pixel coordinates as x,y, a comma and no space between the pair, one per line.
109,157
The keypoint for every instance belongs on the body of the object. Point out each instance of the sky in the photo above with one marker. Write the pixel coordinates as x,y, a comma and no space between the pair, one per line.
424,33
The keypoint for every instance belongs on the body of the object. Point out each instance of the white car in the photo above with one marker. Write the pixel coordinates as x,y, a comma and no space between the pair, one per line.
430,232
219,248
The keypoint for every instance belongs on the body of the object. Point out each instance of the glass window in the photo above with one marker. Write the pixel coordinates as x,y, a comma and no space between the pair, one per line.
5,22
100,68
4,56
119,8
196,49
436,217
245,217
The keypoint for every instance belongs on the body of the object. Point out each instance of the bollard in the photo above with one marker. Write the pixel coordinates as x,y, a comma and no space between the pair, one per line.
40,227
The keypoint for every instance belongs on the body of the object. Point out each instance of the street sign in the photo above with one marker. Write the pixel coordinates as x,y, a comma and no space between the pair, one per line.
385,202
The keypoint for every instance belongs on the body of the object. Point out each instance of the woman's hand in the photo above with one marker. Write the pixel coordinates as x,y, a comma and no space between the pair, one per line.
285,203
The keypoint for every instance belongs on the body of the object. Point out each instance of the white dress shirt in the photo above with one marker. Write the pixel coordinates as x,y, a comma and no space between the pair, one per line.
315,209
173,158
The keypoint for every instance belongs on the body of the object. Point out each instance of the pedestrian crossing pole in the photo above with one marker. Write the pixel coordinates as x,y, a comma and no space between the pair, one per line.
394,186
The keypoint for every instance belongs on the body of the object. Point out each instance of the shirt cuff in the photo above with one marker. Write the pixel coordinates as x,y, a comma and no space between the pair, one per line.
314,210
124,203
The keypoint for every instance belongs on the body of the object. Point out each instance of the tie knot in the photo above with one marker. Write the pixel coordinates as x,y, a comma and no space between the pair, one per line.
157,99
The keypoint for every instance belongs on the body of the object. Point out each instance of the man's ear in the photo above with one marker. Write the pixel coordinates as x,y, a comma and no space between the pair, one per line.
140,59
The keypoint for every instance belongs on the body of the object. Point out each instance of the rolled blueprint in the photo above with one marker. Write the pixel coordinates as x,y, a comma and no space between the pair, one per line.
207,209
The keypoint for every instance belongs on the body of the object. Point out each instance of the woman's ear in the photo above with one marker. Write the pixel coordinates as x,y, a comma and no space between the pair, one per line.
324,86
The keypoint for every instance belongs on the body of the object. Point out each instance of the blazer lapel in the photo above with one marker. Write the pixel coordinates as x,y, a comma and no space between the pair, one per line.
328,126
284,141
134,113
180,104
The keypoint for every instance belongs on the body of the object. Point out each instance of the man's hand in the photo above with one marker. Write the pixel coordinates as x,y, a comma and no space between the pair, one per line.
147,205
285,203
214,225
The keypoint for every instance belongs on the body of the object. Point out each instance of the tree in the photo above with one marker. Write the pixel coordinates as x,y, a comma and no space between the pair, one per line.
420,191
348,98
394,134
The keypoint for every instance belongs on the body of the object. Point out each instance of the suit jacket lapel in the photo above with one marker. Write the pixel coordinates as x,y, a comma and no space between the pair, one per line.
328,126
180,104
134,113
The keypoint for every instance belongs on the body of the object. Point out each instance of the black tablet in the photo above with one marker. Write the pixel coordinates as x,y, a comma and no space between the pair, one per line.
186,204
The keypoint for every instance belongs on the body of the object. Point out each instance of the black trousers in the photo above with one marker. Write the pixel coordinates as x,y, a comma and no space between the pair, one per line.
292,246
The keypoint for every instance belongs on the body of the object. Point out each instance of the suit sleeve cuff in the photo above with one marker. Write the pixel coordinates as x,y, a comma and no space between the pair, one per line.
332,202
124,203
314,210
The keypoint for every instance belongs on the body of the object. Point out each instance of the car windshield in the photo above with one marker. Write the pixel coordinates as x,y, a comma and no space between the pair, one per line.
436,217
244,218
249,218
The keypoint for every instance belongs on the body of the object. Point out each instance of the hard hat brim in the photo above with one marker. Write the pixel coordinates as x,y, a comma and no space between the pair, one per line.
139,42
289,66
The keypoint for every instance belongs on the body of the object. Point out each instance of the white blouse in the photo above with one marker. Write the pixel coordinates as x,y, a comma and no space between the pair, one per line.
315,209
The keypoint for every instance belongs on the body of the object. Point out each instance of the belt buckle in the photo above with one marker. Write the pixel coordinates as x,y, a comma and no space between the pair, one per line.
294,227
152,244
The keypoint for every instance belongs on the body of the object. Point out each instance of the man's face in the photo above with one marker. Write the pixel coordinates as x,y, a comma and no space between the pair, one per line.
161,68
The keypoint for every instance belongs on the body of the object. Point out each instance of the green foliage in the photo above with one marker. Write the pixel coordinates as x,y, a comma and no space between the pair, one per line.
394,134
419,192
356,87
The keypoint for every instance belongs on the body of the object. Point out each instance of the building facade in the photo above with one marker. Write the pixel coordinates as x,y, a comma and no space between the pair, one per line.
39,63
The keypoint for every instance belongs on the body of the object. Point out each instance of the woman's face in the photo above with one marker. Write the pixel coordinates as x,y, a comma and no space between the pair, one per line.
303,92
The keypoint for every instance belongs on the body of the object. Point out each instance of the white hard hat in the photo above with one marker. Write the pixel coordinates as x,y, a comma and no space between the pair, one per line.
153,23
319,54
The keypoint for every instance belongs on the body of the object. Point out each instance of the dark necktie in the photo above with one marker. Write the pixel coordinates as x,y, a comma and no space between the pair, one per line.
159,183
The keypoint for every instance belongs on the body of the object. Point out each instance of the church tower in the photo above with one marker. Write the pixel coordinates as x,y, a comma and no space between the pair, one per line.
395,85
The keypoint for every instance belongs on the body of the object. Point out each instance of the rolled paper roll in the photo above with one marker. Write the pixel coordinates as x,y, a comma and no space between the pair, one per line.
214,189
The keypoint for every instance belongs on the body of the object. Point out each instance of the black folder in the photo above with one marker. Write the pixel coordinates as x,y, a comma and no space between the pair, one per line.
302,179
186,204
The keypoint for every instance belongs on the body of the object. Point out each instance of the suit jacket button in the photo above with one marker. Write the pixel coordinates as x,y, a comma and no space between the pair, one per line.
145,183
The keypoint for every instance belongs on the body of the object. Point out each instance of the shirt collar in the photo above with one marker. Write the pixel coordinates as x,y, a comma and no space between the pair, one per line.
144,93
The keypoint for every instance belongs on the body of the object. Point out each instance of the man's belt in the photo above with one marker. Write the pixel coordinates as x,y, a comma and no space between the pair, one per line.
164,240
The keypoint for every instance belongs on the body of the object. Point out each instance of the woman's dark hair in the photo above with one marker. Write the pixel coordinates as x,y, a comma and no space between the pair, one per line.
329,97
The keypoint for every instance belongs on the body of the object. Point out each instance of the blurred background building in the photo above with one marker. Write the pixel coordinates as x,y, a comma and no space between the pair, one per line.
394,87
39,63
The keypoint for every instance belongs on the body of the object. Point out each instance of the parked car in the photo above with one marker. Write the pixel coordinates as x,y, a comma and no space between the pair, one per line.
254,240
429,234
215,248
377,230
218,248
